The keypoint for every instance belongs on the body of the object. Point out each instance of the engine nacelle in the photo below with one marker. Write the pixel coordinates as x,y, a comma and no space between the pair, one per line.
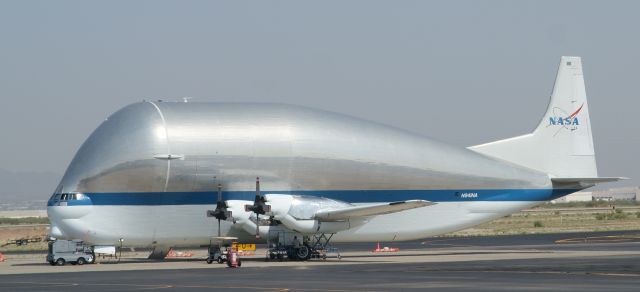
297,213
244,219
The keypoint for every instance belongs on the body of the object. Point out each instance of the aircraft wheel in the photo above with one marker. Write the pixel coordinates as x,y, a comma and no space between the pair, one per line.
303,253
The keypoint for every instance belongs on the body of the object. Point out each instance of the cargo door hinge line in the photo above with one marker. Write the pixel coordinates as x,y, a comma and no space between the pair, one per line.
168,156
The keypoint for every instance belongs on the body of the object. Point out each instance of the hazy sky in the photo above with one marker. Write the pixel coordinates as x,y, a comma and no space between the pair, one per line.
461,72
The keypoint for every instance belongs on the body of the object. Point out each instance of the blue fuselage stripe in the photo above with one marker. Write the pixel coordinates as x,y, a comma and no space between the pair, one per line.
351,196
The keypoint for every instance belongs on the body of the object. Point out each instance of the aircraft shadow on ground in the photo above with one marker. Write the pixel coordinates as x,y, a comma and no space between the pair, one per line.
344,259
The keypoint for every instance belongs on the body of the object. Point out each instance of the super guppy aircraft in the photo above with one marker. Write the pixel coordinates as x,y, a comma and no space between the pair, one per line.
150,172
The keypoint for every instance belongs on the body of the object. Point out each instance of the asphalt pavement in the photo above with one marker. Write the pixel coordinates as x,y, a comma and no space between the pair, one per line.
559,262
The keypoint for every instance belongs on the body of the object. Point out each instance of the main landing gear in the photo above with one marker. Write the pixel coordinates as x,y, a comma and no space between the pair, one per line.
285,244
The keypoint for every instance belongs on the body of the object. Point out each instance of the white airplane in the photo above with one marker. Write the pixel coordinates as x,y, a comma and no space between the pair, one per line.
149,174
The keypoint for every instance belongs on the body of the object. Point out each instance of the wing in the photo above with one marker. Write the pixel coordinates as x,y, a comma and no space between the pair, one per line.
369,210
581,182
586,180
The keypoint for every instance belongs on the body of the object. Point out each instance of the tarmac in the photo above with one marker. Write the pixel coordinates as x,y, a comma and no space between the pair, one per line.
551,262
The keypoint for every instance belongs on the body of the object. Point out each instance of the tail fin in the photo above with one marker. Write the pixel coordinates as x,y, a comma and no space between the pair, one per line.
562,144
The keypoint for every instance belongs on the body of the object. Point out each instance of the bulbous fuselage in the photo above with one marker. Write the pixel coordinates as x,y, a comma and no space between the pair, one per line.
150,170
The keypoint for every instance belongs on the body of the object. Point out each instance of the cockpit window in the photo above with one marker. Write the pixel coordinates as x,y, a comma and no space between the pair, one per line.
68,197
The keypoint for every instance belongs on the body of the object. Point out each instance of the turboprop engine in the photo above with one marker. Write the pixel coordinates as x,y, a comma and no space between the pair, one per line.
300,213
248,221
296,213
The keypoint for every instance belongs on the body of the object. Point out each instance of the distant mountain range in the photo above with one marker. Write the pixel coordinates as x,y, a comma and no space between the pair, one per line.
26,186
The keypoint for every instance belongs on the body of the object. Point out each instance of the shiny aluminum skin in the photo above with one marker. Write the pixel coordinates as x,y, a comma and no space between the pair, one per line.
181,147
152,148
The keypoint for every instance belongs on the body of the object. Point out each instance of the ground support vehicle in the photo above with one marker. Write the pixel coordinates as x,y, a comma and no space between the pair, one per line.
69,251
282,244
216,246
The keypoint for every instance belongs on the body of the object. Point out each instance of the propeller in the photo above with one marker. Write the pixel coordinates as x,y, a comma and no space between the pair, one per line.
221,212
259,206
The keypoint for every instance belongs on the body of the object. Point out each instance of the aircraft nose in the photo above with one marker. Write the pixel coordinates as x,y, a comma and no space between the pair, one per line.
66,212
55,231
69,206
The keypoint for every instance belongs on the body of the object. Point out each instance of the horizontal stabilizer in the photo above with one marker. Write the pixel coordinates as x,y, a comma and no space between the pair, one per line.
586,180
369,210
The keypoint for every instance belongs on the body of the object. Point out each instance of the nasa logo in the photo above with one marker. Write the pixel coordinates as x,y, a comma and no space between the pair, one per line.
563,121
571,120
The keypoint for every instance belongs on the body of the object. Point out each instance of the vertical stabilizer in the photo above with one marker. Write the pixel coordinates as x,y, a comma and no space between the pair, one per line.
562,144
